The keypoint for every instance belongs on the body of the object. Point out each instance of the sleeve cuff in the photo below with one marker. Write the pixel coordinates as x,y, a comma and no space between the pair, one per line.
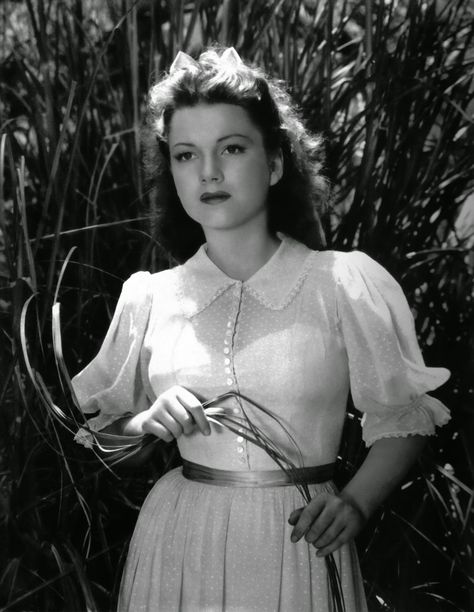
418,418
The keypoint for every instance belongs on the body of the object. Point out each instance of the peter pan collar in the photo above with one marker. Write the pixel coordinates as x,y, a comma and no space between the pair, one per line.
274,285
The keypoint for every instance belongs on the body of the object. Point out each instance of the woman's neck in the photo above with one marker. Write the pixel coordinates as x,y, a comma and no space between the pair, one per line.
240,255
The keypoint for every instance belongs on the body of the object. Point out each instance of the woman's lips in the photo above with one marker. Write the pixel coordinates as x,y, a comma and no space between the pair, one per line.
214,197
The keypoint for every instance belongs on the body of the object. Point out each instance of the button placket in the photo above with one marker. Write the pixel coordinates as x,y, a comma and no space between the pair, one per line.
229,371
229,380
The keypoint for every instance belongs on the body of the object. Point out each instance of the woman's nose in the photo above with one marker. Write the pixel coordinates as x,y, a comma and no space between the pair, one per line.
210,170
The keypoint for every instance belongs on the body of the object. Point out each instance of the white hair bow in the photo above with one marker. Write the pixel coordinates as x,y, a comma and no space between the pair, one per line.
183,60
231,57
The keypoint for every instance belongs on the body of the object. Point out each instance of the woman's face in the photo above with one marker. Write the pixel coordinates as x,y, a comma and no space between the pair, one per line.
220,167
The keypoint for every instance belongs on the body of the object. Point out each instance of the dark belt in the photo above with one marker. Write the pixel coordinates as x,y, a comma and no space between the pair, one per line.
258,478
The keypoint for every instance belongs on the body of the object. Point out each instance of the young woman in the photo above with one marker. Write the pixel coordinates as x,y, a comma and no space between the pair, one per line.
258,308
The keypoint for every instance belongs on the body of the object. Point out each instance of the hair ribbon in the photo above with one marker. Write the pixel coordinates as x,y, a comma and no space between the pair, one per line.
183,61
231,57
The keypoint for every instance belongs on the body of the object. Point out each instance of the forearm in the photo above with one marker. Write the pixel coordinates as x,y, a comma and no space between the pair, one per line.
387,462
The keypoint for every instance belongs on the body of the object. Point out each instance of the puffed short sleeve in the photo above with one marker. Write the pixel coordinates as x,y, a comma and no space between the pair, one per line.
388,377
113,383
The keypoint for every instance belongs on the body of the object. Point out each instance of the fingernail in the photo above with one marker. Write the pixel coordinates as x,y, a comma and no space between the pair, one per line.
294,538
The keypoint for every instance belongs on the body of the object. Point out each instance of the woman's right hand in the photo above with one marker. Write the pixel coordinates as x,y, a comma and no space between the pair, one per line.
175,412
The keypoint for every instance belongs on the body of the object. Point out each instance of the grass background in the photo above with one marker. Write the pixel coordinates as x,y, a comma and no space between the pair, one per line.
390,85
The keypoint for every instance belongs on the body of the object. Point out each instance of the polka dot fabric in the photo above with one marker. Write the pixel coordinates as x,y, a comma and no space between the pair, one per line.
201,547
295,337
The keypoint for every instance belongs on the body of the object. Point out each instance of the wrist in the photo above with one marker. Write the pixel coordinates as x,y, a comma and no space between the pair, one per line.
364,509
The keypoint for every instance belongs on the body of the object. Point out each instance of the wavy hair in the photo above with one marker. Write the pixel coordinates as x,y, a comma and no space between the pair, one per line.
294,203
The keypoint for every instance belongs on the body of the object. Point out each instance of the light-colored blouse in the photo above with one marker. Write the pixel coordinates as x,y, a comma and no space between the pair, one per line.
295,337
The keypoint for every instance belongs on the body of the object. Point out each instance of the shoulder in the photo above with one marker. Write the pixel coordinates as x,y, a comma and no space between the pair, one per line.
352,278
141,286
146,294
352,268
171,289
342,262
163,283
333,266
135,288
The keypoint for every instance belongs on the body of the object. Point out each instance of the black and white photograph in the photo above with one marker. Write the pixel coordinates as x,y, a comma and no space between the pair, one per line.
237,306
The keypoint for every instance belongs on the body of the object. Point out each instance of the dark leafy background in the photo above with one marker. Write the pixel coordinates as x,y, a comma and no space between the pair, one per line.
389,84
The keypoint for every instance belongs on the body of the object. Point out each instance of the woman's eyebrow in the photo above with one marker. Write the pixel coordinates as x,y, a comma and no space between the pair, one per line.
190,144
233,136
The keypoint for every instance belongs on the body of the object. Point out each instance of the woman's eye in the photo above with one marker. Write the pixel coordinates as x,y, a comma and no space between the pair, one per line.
234,149
184,156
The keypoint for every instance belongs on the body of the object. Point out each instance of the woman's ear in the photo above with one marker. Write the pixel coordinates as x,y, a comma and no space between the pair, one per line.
276,167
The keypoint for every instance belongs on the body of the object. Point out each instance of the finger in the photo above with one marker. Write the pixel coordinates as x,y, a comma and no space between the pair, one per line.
320,525
308,515
343,537
329,535
348,519
169,422
178,412
195,409
295,515
157,429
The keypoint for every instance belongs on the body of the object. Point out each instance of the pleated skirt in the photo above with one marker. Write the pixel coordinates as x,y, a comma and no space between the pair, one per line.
206,548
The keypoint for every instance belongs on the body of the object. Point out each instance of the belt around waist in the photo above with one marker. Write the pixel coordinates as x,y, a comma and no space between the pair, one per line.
257,478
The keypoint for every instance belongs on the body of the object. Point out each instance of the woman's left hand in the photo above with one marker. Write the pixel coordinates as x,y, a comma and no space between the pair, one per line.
327,522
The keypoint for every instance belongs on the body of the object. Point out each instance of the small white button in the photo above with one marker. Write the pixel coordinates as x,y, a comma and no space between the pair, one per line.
241,429
228,370
236,410
227,361
229,381
229,323
240,439
240,449
226,350
228,332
